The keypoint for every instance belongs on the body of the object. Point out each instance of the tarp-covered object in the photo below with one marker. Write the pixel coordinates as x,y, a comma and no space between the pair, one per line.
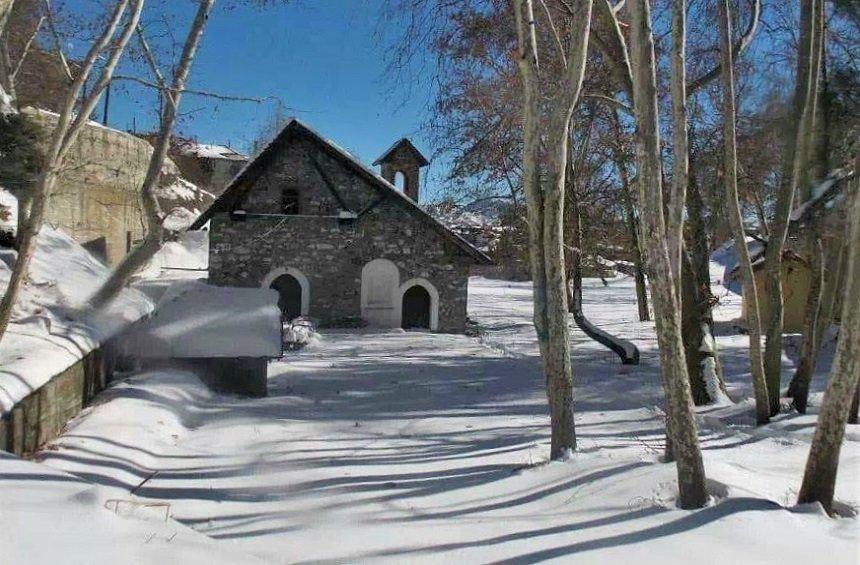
195,320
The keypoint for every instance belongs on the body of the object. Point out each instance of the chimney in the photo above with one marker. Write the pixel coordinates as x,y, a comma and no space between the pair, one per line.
405,159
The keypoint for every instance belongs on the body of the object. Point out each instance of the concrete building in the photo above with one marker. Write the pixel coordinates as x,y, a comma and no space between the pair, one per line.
337,241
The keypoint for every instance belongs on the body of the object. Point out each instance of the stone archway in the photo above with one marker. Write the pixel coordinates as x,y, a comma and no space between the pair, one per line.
416,308
294,291
418,305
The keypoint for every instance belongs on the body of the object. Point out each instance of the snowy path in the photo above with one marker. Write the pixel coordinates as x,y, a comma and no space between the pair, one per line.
422,447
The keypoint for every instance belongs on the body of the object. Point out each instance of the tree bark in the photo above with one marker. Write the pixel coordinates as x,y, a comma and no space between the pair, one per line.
681,425
7,87
544,186
819,478
703,360
680,141
734,212
827,279
620,157
156,234
793,172
69,125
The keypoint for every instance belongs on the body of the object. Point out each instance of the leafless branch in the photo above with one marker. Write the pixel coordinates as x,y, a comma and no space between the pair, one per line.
26,50
171,91
58,45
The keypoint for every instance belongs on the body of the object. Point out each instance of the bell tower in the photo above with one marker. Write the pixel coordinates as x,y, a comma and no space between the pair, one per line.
405,159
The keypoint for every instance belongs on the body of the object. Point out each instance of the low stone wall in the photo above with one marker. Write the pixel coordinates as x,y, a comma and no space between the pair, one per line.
40,417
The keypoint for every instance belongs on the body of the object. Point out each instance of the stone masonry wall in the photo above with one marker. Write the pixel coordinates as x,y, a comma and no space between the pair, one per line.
332,256
329,252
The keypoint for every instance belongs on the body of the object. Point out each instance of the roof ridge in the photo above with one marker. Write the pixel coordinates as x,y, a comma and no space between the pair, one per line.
372,175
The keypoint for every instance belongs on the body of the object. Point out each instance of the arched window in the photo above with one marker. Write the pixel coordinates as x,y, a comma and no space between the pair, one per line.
289,202
400,181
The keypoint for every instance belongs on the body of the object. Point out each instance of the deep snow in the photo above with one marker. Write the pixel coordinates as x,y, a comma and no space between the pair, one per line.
46,334
427,447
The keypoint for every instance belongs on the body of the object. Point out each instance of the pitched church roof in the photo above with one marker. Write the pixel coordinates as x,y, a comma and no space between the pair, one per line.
407,144
243,181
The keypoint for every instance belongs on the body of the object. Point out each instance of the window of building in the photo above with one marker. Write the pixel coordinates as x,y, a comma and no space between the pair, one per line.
289,202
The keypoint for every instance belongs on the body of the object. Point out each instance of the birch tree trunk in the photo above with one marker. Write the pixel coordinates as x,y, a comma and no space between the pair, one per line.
7,89
544,184
793,171
681,425
68,126
155,235
750,294
819,478
703,360
680,141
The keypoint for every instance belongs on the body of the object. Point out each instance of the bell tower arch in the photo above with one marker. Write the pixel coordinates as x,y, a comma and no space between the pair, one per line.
403,158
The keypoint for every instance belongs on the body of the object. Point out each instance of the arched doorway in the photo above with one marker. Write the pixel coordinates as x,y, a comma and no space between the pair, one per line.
289,295
294,291
416,308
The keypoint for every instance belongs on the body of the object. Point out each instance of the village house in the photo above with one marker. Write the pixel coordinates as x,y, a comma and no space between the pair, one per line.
339,242
211,167
824,211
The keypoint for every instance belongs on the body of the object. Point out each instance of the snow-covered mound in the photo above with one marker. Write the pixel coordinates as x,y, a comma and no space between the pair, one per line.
46,335
181,202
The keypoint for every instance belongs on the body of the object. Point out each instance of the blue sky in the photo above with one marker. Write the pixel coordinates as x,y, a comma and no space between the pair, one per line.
321,58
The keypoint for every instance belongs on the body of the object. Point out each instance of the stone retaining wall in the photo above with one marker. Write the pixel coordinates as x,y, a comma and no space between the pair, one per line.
40,417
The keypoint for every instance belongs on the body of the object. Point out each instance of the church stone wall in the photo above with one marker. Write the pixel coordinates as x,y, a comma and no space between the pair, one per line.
332,254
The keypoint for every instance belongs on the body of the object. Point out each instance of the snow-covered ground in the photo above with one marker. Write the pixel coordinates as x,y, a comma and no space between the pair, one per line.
410,447
46,335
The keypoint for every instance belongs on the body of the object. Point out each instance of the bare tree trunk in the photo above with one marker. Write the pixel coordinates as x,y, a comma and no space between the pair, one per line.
7,87
819,478
821,302
545,203
620,158
734,212
793,172
155,235
680,141
799,386
703,360
681,425
63,137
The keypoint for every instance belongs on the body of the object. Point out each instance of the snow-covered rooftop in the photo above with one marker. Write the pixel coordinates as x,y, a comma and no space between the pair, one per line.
210,151
196,320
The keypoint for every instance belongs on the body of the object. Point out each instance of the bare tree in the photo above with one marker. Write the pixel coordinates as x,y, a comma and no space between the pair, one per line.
7,105
156,233
730,180
681,422
794,171
69,125
819,478
544,187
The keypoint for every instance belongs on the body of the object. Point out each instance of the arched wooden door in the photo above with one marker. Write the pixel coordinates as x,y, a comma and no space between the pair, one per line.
289,295
416,308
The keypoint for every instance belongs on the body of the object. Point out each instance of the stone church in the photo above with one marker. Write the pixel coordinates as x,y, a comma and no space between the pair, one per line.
339,242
